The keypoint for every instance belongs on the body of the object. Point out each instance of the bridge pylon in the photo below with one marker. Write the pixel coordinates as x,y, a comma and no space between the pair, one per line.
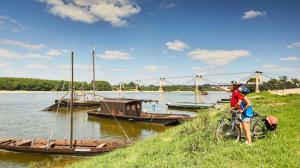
197,82
258,80
138,85
121,86
162,84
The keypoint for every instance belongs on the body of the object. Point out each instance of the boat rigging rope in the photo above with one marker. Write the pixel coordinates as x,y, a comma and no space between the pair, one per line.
116,120
55,118
68,111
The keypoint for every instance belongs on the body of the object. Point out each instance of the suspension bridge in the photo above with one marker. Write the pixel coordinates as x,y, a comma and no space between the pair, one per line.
256,78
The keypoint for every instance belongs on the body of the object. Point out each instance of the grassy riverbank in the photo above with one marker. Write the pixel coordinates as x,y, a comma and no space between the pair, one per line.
193,144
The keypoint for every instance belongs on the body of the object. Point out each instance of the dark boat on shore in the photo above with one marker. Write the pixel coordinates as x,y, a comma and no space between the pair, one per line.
190,106
79,104
131,110
63,147
204,93
224,101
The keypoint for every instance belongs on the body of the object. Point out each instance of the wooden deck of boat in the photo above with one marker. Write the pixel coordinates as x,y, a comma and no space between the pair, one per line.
190,106
61,147
164,119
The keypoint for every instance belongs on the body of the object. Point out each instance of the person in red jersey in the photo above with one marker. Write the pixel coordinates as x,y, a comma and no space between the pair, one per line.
236,97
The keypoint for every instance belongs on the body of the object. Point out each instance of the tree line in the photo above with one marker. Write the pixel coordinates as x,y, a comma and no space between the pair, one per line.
276,84
132,86
32,84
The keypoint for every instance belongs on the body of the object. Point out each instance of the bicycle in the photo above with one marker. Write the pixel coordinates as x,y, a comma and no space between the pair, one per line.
229,128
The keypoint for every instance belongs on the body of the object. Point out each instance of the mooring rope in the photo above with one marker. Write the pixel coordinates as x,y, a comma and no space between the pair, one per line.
116,120
55,118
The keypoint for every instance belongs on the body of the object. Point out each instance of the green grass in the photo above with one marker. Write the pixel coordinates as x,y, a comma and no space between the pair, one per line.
193,143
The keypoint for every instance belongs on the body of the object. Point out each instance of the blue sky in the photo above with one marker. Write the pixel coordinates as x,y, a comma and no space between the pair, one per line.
137,39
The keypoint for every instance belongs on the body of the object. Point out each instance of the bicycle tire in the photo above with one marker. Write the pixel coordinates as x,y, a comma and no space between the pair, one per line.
224,133
259,130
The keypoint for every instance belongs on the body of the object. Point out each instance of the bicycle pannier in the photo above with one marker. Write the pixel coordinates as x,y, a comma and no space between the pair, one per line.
271,122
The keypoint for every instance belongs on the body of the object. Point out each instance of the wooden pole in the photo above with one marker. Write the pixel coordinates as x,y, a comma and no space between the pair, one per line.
71,103
94,88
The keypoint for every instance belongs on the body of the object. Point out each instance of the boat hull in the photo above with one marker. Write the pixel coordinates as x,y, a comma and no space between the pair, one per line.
164,119
61,150
189,106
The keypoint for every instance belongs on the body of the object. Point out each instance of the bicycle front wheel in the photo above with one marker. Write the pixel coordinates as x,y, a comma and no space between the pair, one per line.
228,132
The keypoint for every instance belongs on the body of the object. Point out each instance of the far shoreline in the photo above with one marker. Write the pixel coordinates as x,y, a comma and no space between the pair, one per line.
27,91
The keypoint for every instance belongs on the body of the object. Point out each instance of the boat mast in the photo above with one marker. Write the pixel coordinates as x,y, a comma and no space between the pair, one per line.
94,88
71,103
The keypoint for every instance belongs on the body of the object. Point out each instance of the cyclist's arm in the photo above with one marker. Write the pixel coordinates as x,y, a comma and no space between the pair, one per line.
238,104
248,103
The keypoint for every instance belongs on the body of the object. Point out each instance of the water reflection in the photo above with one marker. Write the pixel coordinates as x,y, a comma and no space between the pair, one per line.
135,131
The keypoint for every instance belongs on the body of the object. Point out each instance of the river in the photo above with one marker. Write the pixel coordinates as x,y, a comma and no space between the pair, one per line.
21,117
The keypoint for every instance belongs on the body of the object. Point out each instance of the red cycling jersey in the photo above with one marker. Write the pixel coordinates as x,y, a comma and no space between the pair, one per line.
235,97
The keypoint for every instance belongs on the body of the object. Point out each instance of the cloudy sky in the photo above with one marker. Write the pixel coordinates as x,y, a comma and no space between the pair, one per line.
138,39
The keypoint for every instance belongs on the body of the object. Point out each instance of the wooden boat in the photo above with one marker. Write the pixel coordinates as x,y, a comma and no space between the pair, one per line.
164,119
64,103
190,106
223,101
81,104
204,93
63,147
131,110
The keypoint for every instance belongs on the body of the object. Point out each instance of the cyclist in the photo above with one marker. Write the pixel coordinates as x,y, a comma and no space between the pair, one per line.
247,113
236,97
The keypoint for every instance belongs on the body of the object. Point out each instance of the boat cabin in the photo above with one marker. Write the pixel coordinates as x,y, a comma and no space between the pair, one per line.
121,106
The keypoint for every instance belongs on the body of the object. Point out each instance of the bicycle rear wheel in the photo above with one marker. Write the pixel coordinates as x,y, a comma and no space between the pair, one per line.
259,130
228,132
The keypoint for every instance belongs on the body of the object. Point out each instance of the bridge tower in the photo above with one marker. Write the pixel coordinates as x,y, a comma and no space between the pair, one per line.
138,85
258,80
162,84
121,86
197,82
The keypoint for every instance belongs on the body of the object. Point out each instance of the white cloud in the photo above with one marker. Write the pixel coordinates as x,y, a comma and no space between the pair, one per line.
278,68
16,43
78,66
176,45
120,70
202,70
53,52
113,54
35,56
253,14
12,54
36,66
155,68
269,66
167,5
89,11
289,59
294,45
5,64
217,57
11,24
8,54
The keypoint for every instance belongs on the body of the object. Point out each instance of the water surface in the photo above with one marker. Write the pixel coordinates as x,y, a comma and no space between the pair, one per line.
21,117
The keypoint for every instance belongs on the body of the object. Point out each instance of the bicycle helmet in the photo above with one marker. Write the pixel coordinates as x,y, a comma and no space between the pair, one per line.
244,90
236,82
